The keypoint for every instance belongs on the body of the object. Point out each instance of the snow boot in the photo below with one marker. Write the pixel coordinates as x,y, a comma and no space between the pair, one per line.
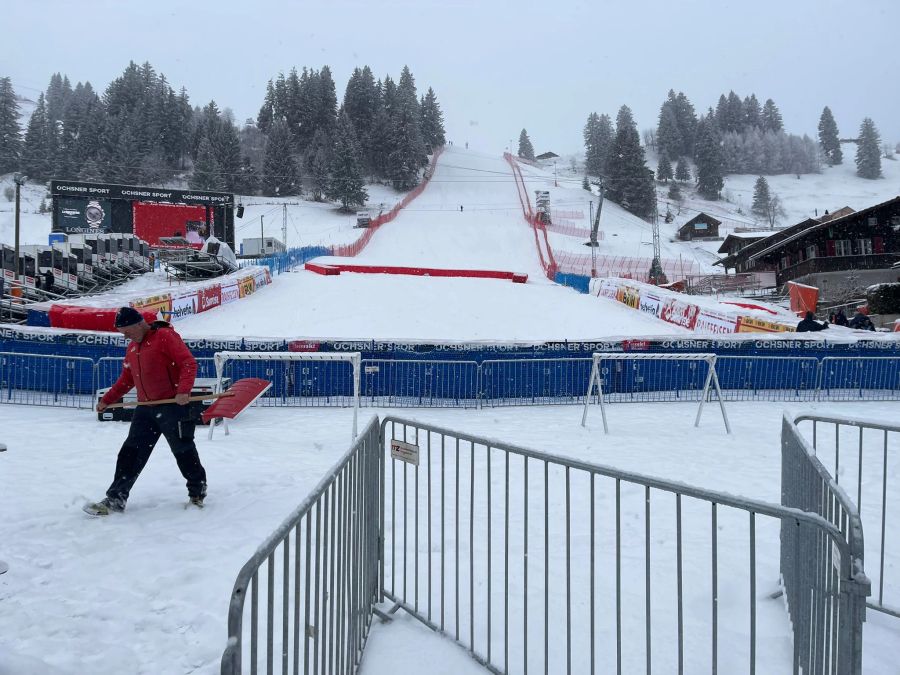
104,507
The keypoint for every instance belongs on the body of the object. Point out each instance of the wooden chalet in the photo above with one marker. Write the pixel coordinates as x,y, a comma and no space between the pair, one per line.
701,226
862,240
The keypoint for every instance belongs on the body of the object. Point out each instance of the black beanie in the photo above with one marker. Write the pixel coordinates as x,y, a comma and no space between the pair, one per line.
128,316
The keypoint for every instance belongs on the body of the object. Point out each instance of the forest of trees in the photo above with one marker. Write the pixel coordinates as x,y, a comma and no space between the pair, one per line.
140,131
738,136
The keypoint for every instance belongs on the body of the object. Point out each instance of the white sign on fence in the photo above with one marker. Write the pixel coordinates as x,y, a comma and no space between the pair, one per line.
405,452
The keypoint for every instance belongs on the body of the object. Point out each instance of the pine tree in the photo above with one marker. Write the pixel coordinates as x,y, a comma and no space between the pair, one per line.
408,149
668,135
682,170
432,121
828,138
752,112
664,169
771,117
675,192
526,150
318,159
708,151
868,151
761,198
10,133
586,184
280,175
38,159
248,178
361,101
267,111
227,151
687,124
598,136
206,174
630,181
346,184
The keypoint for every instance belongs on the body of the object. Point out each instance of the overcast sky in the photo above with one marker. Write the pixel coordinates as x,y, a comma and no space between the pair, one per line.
496,66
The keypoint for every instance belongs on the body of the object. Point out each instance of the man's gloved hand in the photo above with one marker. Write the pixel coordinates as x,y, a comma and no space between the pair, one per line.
182,399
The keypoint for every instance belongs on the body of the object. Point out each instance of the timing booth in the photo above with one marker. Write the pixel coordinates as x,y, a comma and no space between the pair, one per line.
146,212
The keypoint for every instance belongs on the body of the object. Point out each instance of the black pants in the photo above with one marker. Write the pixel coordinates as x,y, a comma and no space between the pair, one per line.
149,422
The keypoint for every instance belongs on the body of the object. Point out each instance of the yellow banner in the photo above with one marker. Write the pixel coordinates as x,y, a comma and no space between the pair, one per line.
748,324
157,303
247,285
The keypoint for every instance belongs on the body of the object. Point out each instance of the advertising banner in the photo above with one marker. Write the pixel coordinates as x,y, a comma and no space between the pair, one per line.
713,322
209,297
162,304
749,324
650,304
247,286
260,279
230,292
182,307
679,313
82,215
629,296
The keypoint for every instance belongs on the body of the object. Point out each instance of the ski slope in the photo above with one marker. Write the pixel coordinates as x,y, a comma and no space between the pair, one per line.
489,233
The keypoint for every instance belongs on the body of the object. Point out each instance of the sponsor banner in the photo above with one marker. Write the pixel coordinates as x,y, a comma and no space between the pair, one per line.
182,307
629,296
247,286
303,346
110,191
602,288
650,304
230,293
749,324
713,322
635,345
260,279
209,297
679,313
161,304
82,215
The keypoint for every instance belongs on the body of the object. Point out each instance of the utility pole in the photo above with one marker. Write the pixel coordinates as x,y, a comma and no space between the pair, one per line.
284,226
656,275
262,238
19,180
555,182
595,226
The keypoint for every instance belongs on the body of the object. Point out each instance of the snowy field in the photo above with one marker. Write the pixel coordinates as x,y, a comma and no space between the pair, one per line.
147,592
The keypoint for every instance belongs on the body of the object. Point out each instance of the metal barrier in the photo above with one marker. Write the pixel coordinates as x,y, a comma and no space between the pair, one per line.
321,577
824,585
768,378
535,561
47,380
414,383
869,378
869,445
533,381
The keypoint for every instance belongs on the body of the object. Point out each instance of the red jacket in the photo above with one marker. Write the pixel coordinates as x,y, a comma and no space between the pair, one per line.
160,366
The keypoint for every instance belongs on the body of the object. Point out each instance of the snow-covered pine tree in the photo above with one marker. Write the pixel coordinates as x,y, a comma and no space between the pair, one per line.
761,198
38,158
598,135
675,191
868,151
345,182
682,169
526,149
408,153
708,152
828,138
629,182
664,169
361,100
10,133
227,150
771,117
687,124
206,175
267,110
432,121
318,158
752,112
586,184
280,175
668,135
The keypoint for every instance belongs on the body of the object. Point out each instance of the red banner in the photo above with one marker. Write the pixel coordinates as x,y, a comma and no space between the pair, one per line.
209,297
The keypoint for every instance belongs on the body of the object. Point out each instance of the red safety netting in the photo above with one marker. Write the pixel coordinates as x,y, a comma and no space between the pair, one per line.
351,250
556,214
545,252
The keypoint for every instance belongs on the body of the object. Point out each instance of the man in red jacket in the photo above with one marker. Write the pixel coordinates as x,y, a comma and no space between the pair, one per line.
160,366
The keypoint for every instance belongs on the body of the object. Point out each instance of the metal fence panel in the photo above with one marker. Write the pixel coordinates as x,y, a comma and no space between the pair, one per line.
415,383
826,588
298,383
109,367
533,381
862,456
535,562
47,380
313,583
768,378
869,378
652,380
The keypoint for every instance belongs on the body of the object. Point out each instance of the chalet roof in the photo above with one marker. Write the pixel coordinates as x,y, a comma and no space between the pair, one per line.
818,226
753,236
701,218
547,155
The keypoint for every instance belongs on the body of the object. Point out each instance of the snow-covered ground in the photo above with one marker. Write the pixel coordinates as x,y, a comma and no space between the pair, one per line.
147,592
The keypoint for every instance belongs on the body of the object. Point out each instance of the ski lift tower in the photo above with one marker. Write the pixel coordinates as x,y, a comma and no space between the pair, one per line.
656,275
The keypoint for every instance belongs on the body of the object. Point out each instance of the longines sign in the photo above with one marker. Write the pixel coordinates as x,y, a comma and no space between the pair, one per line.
62,188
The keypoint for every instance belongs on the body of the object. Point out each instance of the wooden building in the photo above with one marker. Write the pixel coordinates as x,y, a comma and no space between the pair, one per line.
701,226
863,240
